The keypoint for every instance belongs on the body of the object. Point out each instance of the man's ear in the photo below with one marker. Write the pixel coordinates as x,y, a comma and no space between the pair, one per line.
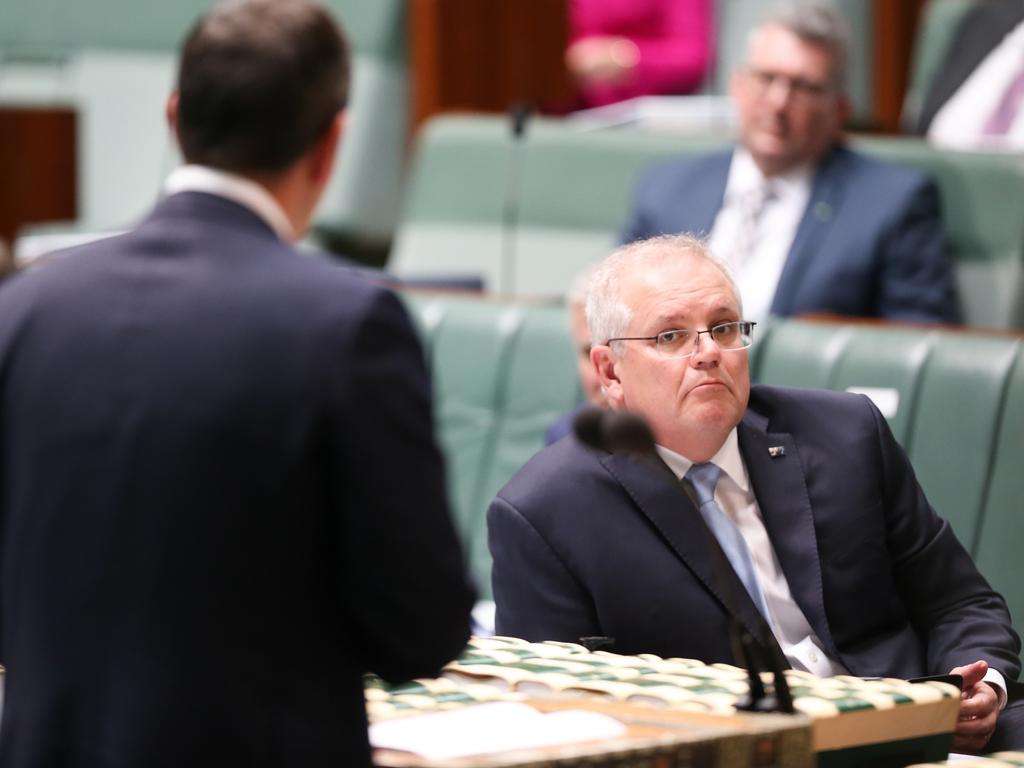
171,112
606,364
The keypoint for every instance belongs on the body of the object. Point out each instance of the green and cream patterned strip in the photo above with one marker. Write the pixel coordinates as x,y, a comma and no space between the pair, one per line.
509,668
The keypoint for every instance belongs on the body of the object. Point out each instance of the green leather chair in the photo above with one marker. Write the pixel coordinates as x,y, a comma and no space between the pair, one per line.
502,374
470,361
983,208
1002,523
360,207
885,364
800,354
952,443
454,202
572,187
540,385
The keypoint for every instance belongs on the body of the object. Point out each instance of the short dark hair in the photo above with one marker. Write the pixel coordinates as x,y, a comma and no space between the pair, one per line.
259,83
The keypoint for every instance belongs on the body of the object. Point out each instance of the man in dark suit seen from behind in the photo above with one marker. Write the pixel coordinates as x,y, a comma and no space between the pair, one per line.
205,542
833,555
808,225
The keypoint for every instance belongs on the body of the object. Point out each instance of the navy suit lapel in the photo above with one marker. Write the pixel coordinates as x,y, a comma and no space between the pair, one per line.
826,196
777,478
672,513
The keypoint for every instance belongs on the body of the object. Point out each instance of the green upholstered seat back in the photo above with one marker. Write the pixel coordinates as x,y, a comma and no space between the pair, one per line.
800,354
502,374
540,385
998,551
983,209
887,366
454,201
469,360
953,440
362,200
572,186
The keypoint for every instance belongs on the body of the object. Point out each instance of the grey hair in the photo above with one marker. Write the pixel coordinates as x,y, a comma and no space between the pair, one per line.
608,316
817,23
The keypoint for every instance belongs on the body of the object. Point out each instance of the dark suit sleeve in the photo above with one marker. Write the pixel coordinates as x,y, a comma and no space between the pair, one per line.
916,281
958,616
536,596
403,582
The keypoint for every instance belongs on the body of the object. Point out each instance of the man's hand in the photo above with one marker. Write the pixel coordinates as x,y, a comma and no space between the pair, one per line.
979,708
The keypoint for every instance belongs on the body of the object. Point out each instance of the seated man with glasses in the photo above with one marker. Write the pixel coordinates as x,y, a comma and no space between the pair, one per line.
807,224
831,548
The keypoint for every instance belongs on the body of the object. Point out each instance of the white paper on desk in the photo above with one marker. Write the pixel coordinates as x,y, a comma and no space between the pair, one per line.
494,727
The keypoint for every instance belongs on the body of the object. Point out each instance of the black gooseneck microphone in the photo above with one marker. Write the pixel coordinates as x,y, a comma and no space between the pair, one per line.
613,431
519,117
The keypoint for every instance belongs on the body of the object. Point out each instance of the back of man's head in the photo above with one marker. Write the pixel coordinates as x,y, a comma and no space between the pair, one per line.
260,82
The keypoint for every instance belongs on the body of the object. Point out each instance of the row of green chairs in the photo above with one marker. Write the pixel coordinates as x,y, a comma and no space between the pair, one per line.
570,191
503,371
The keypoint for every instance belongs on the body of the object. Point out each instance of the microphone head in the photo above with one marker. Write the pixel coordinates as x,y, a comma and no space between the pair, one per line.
628,433
520,115
613,431
587,427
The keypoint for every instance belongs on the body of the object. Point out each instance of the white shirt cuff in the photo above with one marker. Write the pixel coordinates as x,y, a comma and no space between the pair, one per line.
997,681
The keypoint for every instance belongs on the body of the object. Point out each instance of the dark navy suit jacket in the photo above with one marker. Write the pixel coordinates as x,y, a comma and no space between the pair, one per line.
204,545
870,243
590,544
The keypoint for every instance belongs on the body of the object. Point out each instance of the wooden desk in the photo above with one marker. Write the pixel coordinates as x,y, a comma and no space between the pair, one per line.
685,707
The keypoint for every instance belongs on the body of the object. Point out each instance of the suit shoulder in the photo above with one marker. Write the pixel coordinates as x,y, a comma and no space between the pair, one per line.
553,476
682,170
785,406
879,175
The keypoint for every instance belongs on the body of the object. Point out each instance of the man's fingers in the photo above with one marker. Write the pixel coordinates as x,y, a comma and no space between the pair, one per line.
971,673
979,711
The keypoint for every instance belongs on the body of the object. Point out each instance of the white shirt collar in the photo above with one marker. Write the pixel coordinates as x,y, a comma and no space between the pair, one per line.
744,176
238,189
728,459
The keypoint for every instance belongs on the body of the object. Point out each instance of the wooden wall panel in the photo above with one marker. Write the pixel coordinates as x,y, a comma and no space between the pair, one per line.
895,23
38,162
485,55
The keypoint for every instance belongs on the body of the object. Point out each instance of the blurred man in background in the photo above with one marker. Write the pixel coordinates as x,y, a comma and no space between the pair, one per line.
806,224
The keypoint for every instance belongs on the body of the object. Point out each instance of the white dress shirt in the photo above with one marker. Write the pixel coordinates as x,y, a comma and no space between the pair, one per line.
758,275
960,123
245,192
734,495
802,648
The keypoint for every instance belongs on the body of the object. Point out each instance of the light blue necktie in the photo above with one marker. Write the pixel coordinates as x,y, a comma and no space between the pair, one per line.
703,478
